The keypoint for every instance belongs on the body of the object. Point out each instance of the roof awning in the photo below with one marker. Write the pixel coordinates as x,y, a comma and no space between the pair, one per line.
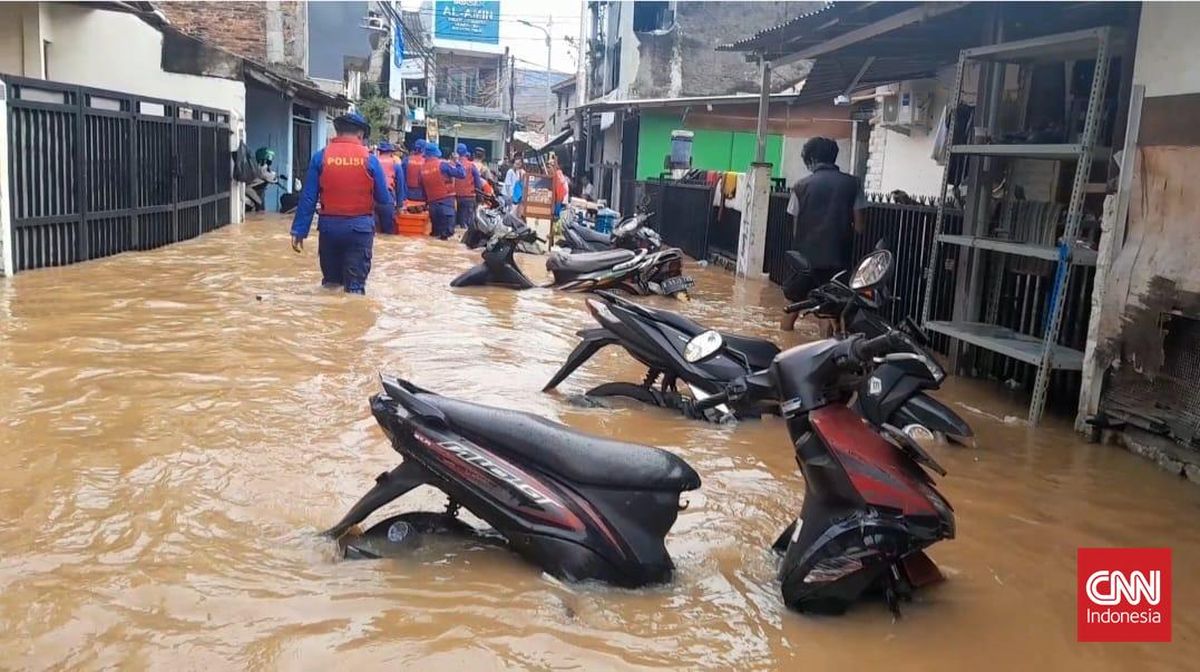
689,101
860,45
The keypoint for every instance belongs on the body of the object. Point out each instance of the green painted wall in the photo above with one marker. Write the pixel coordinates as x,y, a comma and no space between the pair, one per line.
711,150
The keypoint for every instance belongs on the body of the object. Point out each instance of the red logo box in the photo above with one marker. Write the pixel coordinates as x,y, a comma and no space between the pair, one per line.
1124,594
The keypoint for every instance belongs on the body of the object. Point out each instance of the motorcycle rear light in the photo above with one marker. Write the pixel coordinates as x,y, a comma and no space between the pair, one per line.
832,569
600,311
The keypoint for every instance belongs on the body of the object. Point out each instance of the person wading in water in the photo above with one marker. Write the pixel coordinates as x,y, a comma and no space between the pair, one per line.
352,189
827,209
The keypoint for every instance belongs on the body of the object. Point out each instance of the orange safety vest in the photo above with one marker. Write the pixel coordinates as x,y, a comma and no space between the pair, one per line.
346,188
465,187
413,176
388,162
437,185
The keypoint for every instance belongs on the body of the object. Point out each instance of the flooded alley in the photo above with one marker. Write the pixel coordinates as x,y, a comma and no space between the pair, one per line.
179,424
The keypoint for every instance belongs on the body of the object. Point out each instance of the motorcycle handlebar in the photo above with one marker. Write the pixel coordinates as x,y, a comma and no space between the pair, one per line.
867,349
802,305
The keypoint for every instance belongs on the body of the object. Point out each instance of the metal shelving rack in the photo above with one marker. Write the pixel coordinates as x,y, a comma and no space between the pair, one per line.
1045,353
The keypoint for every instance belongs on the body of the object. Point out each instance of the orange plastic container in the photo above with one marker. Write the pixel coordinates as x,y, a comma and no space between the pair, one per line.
413,223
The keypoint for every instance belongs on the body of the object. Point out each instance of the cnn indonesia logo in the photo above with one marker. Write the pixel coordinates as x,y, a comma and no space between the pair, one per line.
1124,594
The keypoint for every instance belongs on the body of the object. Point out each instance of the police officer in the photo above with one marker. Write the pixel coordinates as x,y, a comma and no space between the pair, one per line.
464,189
352,189
437,179
411,168
395,180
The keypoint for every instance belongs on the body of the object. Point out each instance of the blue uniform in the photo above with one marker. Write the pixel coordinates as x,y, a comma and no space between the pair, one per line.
347,237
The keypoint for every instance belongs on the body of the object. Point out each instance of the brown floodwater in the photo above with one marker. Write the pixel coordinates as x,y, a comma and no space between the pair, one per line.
178,424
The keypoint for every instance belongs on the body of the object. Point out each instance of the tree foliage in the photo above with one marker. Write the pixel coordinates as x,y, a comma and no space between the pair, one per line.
376,109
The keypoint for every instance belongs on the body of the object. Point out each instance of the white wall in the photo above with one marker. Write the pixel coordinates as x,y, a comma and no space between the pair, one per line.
118,51
1166,59
908,163
793,168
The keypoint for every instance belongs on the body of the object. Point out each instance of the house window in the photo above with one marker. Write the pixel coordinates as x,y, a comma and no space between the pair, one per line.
614,66
651,16
463,87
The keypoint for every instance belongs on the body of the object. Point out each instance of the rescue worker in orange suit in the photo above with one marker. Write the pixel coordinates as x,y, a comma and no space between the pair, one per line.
350,185
395,181
437,179
464,189
410,167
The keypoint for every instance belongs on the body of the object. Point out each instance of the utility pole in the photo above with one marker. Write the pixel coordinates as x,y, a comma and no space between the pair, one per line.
512,98
580,96
549,53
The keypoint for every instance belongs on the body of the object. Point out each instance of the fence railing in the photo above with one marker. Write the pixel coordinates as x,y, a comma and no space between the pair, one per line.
93,173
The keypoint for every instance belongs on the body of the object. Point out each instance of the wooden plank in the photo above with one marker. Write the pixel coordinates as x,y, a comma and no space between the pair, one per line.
1111,241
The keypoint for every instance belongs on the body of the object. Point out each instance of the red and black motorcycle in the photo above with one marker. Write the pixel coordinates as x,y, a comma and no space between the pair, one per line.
870,507
581,507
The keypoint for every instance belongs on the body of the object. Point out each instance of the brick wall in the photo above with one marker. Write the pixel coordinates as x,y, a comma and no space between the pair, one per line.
239,27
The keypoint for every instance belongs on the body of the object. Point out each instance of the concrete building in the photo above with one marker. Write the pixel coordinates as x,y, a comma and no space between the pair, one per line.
133,63
566,98
75,44
286,111
648,54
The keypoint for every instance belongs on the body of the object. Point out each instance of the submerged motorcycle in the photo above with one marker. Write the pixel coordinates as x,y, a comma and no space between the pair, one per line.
677,350
505,232
580,507
870,508
639,272
632,234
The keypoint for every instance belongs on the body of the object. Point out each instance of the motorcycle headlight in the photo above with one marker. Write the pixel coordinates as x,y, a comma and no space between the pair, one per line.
872,270
702,347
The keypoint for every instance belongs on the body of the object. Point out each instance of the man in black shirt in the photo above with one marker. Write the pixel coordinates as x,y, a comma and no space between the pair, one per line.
827,207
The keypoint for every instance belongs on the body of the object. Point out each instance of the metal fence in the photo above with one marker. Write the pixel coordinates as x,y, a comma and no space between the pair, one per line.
94,173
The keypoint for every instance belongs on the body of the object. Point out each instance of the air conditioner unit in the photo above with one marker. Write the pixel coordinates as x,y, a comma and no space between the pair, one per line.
907,106
376,24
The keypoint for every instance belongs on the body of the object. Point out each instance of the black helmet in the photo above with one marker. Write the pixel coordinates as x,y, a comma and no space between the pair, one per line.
352,120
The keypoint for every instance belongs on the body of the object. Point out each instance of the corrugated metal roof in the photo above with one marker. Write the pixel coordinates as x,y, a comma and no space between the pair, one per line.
777,33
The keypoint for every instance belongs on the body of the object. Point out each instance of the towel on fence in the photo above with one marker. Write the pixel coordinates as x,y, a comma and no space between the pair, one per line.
737,201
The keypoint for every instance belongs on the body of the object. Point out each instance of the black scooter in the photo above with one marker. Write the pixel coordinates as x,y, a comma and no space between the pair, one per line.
639,272
675,349
503,232
632,234
642,272
870,509
578,506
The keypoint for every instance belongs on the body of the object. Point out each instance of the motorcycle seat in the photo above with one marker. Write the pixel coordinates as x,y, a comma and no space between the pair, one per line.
759,352
586,262
591,235
557,449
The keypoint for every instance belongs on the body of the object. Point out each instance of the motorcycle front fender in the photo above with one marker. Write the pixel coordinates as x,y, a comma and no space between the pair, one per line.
935,416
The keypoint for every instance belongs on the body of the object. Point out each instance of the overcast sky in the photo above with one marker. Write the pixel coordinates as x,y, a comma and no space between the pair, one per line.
529,44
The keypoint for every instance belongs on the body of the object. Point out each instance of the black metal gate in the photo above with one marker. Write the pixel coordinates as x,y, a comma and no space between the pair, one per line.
94,173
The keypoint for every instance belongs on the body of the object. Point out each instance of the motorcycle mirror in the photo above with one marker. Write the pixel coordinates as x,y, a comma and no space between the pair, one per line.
702,347
872,270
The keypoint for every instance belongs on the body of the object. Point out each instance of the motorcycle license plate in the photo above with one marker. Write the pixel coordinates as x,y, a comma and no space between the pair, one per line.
676,284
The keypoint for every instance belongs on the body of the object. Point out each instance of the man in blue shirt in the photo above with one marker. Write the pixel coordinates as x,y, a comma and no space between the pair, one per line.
352,189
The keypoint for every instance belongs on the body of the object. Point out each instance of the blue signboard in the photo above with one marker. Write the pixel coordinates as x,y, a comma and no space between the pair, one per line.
467,21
